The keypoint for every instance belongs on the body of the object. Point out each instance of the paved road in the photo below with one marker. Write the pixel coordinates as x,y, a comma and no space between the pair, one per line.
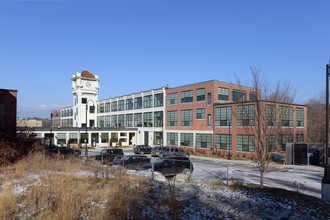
282,176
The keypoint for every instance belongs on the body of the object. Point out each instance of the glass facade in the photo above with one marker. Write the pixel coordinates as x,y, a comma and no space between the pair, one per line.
245,115
172,139
187,96
223,141
223,116
186,118
223,94
172,118
200,95
187,139
245,143
172,99
204,140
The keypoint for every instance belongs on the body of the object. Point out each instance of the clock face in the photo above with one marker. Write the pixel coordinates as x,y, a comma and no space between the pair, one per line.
88,84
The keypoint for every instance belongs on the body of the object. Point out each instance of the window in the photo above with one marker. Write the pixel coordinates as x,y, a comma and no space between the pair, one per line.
187,118
113,120
223,94
114,106
91,123
104,137
147,119
253,96
172,99
172,118
271,115
187,96
129,104
107,107
271,143
147,100
84,100
172,139
121,105
158,119
238,96
100,121
245,115
187,139
114,137
102,108
159,100
204,140
138,103
283,140
129,120
209,120
107,121
299,138
73,138
245,143
200,95
223,141
61,138
121,120
286,116
299,117
138,120
223,116
209,98
200,113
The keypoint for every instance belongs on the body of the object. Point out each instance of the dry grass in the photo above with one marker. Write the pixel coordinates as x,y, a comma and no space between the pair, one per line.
40,187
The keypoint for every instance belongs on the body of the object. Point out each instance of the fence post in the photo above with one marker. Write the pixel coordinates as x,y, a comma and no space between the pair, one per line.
227,174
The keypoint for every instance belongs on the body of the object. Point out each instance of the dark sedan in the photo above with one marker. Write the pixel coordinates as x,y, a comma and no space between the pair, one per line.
170,166
65,151
142,149
133,162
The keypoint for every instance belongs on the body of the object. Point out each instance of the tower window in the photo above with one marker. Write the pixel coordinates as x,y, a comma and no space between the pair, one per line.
84,100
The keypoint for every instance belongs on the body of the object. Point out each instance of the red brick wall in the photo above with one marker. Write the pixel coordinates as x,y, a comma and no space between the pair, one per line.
9,99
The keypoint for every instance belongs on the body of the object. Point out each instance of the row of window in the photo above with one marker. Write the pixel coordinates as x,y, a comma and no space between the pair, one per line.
245,116
223,94
149,101
67,112
146,119
73,138
67,122
245,143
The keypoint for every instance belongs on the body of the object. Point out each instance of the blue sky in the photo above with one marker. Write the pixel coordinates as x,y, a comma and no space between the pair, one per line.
136,45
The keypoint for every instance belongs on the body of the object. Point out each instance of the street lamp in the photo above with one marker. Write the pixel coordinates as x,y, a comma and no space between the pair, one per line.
86,151
229,158
326,179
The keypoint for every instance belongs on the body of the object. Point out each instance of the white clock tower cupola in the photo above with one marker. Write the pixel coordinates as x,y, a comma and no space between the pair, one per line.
85,90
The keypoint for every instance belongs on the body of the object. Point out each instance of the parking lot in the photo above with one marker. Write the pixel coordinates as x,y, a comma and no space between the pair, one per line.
306,179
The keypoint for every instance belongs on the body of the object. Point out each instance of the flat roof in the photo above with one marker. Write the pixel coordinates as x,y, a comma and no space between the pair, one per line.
211,81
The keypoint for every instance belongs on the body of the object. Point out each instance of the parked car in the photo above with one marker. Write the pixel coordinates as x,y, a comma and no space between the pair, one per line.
132,161
174,152
64,151
142,149
156,150
109,155
170,166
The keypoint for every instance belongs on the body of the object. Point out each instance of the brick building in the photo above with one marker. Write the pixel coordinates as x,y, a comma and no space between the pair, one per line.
8,111
207,116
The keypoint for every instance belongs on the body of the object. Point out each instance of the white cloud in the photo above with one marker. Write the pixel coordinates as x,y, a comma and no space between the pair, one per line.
42,111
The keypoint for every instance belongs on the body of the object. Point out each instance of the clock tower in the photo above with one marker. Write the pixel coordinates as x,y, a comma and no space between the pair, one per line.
85,90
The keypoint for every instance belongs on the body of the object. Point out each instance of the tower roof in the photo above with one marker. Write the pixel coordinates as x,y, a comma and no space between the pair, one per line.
87,74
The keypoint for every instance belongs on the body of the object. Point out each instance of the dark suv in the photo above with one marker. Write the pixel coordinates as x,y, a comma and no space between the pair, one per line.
174,152
109,155
156,151
170,166
142,149
132,161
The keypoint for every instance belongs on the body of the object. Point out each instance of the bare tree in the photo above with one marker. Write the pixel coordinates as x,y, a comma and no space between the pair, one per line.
264,118
316,118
